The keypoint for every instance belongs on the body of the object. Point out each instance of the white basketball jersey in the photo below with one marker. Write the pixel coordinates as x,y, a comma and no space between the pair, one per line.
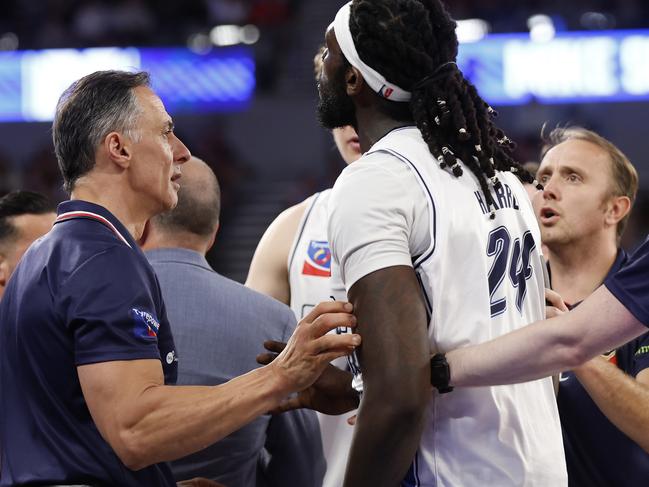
309,262
481,278
309,271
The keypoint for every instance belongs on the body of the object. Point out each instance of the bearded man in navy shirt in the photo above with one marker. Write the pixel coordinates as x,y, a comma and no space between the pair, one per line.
87,352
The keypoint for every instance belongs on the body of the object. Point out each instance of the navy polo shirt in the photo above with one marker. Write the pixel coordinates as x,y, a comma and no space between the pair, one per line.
597,452
631,284
84,293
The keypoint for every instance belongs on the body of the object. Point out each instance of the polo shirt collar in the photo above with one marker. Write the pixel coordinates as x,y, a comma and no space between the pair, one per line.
75,209
620,260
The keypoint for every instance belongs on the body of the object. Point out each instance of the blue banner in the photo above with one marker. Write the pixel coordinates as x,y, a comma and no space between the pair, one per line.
31,82
573,67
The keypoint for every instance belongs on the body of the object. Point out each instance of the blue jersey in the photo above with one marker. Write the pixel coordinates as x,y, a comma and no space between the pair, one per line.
82,294
597,452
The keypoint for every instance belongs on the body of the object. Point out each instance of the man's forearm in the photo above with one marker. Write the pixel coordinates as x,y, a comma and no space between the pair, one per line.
622,399
147,422
546,347
530,353
170,422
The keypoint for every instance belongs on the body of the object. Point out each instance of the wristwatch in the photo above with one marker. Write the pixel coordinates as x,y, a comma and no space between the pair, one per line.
440,373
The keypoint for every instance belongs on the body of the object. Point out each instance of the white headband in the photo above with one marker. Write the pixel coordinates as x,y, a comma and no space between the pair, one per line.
374,79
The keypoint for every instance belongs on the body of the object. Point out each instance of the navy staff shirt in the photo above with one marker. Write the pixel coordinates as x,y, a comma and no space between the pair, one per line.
598,454
82,294
630,285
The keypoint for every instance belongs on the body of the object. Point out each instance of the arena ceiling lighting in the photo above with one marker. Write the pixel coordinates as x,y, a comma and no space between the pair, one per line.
541,28
472,30
508,69
231,35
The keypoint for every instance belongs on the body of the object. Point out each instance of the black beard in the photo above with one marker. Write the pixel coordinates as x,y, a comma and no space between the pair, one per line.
335,108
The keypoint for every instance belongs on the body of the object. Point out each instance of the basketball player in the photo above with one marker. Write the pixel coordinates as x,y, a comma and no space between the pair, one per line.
438,247
292,263
614,314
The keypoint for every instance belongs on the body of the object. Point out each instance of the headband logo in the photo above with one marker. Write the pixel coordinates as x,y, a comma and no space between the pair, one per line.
386,92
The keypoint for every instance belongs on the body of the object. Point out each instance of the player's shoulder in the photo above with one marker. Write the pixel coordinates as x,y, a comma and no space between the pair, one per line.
378,175
376,160
387,159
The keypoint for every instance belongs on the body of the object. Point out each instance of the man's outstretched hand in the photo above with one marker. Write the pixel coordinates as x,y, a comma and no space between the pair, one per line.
331,393
311,347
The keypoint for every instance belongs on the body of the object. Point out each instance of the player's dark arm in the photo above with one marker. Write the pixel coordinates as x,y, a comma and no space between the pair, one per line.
394,358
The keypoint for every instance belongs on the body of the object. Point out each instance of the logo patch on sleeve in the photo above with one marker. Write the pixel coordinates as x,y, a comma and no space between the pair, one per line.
642,350
146,326
318,259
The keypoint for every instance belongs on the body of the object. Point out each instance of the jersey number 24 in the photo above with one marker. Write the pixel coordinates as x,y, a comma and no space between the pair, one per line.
512,259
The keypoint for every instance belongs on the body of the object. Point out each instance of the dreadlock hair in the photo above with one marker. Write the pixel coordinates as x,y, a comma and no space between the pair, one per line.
413,44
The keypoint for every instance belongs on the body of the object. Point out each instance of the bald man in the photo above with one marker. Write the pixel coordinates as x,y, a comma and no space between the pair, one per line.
218,328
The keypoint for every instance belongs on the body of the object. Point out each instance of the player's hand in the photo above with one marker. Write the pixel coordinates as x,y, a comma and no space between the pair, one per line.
554,305
331,393
310,349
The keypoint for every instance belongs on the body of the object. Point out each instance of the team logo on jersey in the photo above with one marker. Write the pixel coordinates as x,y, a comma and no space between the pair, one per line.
318,259
146,326
641,351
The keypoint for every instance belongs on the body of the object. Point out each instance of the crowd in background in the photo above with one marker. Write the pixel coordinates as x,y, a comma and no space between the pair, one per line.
75,23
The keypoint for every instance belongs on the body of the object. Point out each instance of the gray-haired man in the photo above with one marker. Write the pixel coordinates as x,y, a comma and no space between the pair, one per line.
88,359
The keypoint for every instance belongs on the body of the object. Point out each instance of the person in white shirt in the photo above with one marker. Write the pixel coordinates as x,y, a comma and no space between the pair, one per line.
612,315
438,248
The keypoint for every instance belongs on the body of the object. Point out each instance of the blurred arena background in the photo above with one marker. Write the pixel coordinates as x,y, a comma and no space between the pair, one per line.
237,77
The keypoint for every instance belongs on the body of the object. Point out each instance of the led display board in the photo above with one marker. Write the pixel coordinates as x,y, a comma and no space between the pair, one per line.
32,81
511,69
